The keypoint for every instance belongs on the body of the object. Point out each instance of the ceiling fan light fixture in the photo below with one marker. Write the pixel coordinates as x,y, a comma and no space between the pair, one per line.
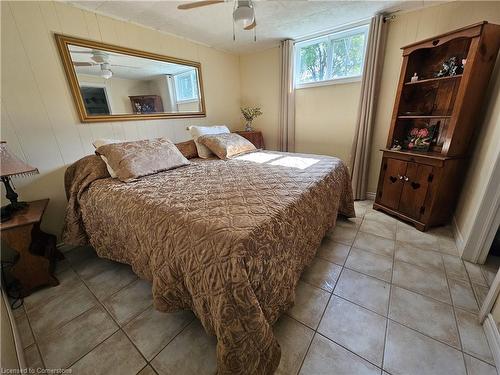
106,74
244,14
99,57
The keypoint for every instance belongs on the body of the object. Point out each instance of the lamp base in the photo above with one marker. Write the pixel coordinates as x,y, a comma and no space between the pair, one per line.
6,213
9,210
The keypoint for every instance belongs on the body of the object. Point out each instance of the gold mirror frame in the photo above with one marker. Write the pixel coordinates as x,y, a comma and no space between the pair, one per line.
62,44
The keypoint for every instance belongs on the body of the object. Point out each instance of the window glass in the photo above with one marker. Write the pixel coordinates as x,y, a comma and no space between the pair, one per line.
186,86
331,57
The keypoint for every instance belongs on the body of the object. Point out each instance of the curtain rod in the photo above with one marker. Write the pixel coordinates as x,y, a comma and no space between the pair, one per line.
389,18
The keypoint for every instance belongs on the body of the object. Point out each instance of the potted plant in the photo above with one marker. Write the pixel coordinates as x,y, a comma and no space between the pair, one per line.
250,113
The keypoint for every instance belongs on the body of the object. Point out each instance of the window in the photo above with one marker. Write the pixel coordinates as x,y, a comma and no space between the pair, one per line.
331,57
186,86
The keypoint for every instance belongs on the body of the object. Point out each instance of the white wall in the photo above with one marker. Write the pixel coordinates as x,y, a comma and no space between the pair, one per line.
260,86
38,116
325,118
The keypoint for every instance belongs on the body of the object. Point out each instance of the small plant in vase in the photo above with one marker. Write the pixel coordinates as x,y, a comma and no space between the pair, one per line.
250,113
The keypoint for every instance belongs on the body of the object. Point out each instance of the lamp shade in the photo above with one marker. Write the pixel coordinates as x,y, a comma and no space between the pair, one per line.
11,165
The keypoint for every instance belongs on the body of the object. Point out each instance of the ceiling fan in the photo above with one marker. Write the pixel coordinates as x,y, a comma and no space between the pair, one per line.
243,13
100,58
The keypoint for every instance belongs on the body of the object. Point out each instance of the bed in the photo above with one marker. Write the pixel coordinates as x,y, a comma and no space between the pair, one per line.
227,239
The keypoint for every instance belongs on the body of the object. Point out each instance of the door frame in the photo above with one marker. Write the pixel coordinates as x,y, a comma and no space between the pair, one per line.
488,322
477,245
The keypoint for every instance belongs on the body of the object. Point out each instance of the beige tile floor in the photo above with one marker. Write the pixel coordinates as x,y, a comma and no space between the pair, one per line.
380,298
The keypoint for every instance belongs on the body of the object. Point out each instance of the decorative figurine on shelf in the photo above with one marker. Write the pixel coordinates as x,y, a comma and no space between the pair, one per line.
414,78
138,108
464,61
396,146
450,68
250,113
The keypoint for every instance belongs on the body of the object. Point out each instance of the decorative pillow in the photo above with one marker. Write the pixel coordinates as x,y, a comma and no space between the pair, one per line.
131,160
101,142
226,146
188,149
198,131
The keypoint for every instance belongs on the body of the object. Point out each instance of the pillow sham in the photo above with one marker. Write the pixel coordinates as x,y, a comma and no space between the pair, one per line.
188,149
131,160
198,131
101,142
226,146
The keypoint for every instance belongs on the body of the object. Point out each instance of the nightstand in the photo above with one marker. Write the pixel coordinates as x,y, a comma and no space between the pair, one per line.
254,136
37,249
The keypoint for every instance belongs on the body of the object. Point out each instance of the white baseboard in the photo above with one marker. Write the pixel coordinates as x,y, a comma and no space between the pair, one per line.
493,337
459,239
370,195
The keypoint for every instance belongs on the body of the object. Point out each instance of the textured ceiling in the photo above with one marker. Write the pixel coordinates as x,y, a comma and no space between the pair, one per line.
277,20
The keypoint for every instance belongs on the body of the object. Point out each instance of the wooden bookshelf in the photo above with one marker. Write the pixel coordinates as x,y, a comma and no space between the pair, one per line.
421,182
433,80
422,117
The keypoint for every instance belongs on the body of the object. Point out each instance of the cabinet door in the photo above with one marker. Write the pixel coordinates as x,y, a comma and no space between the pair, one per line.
417,179
392,182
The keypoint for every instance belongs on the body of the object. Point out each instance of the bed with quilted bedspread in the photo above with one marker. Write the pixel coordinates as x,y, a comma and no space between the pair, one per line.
225,239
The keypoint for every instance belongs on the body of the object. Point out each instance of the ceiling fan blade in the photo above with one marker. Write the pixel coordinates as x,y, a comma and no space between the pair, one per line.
126,66
76,63
198,4
252,25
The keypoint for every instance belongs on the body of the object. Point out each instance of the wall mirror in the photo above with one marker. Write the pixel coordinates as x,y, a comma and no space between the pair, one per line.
111,83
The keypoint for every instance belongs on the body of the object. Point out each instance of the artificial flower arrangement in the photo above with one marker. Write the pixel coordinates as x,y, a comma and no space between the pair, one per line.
419,139
250,113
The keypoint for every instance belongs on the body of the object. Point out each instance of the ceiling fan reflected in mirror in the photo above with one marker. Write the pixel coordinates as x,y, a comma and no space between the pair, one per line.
100,58
243,13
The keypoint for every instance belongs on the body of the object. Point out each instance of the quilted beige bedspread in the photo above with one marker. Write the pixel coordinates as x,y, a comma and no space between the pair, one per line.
226,239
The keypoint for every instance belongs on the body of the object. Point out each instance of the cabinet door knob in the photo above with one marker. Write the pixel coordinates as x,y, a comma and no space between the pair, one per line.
406,178
400,177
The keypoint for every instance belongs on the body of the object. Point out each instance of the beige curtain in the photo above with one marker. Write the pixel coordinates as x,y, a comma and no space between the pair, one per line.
287,96
360,153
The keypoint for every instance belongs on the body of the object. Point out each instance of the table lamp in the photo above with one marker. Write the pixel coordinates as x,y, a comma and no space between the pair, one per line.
11,165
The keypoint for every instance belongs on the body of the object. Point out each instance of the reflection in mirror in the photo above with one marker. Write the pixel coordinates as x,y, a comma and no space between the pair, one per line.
115,83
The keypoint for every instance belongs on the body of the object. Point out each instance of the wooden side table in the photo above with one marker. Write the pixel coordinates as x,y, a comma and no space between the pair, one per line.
254,136
37,249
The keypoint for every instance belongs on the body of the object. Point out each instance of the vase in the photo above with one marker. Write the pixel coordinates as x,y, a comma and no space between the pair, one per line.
248,126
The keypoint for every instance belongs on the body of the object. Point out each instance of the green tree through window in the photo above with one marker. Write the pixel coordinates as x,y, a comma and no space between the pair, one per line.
331,57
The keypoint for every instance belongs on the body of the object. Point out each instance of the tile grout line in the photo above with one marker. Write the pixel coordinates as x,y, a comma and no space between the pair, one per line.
389,299
315,331
170,341
456,320
35,341
120,328
392,320
110,315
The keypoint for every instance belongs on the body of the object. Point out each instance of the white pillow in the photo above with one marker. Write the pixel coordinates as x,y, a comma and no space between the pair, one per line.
197,131
101,142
